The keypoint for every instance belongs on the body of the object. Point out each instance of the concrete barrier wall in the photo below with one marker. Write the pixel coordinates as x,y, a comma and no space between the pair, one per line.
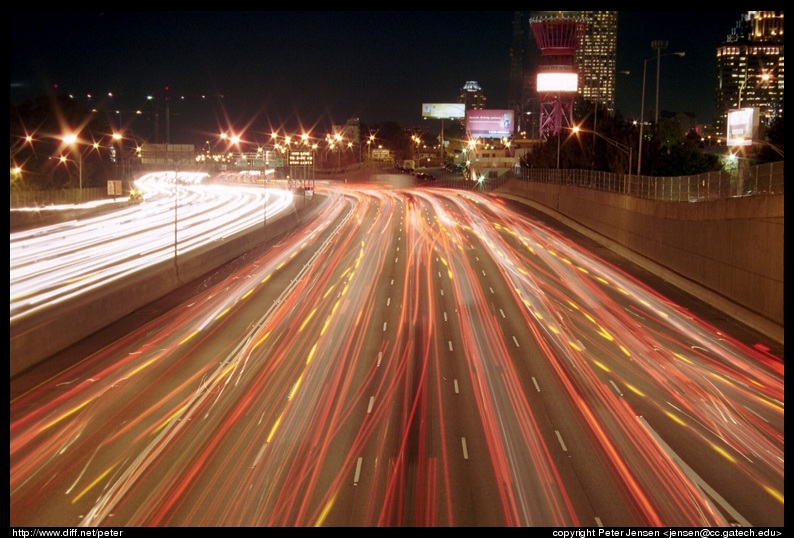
37,337
727,252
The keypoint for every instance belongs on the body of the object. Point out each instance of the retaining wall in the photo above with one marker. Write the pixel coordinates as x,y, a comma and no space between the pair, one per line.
726,252
37,337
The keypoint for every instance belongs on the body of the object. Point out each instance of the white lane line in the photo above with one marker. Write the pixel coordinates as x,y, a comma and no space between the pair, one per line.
696,479
358,472
562,443
535,381
617,389
259,456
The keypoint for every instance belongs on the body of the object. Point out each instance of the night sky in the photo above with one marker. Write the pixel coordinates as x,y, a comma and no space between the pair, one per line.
310,70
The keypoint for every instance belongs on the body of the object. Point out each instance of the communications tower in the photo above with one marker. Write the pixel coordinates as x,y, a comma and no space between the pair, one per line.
558,36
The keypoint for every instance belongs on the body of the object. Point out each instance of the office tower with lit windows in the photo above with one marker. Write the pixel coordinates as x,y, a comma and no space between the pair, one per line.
750,68
595,58
472,96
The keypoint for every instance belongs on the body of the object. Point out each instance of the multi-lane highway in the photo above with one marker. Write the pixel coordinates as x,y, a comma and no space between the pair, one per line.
410,357
54,264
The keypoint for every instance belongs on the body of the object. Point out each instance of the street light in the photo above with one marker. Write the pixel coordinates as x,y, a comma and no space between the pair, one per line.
622,147
71,140
118,137
658,45
369,145
763,76
559,135
337,142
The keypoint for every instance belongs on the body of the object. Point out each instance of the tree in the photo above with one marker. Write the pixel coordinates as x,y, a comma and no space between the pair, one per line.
772,149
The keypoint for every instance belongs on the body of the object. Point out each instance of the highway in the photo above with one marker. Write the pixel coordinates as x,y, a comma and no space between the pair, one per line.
54,264
412,356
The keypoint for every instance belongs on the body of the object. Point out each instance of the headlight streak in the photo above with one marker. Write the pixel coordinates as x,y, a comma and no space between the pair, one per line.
677,322
46,270
277,426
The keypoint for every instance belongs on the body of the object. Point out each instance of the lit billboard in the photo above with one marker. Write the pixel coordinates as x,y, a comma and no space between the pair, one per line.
742,126
444,110
558,82
490,123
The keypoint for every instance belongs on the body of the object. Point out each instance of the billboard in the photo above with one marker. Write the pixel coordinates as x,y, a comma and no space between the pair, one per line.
444,110
558,82
490,123
742,127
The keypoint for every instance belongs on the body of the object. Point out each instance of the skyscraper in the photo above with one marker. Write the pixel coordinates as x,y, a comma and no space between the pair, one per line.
750,68
472,96
595,58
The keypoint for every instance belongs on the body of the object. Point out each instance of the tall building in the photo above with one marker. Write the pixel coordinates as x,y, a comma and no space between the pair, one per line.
750,68
595,58
472,96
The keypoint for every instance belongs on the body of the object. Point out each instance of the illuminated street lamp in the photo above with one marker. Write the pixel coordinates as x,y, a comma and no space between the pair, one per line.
71,140
622,147
763,76
338,139
118,137
659,46
370,142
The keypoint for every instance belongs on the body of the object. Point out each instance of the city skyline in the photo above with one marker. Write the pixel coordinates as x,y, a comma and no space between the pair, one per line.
285,70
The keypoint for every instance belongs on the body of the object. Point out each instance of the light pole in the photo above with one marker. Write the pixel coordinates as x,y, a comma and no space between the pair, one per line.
559,135
658,45
176,215
265,154
338,144
71,140
118,137
763,76
628,150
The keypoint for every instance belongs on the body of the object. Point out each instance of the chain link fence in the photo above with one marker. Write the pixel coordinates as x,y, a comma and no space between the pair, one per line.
760,180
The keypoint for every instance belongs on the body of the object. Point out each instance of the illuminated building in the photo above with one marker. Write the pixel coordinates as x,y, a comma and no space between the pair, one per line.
750,68
472,96
595,58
